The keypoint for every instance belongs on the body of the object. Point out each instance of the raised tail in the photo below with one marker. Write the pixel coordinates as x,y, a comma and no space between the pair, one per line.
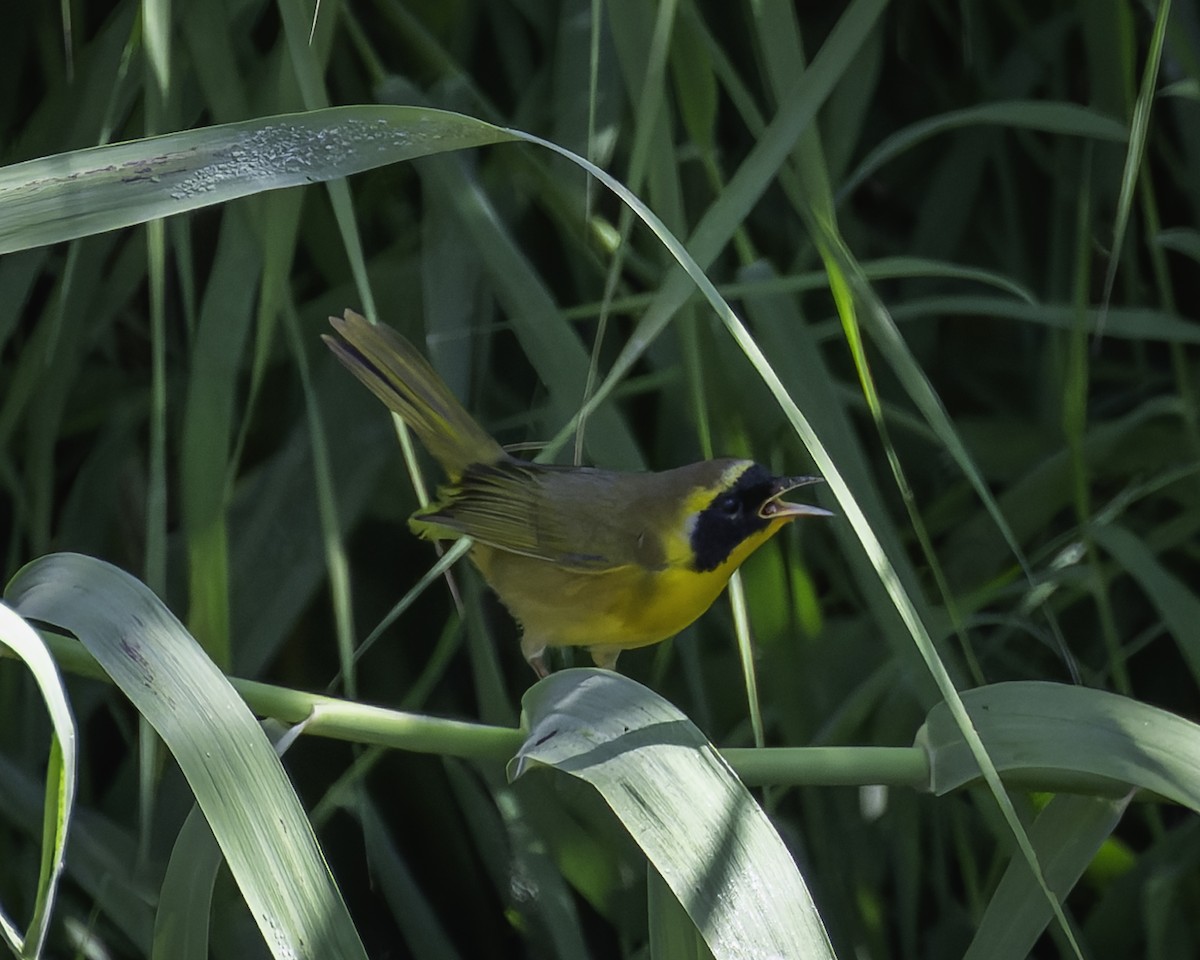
397,374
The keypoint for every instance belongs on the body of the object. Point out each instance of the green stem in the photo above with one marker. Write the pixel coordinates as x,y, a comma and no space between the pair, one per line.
337,719
831,766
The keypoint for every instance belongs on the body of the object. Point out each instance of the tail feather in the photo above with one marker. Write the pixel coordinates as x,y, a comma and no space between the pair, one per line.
403,379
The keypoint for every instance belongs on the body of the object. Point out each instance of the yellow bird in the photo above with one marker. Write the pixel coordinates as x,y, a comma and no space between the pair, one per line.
582,557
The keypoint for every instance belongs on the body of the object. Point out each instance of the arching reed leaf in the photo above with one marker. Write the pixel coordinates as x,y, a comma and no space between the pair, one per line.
695,821
76,194
1052,728
21,638
228,761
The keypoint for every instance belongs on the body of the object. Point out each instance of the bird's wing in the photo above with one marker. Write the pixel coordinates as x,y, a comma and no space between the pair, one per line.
563,516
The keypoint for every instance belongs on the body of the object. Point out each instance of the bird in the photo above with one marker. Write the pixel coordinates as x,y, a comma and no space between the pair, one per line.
581,556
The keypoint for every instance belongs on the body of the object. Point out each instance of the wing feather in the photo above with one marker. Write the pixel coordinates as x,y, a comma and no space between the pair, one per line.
538,511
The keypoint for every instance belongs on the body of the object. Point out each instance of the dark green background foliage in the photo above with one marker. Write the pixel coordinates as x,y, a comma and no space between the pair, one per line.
974,158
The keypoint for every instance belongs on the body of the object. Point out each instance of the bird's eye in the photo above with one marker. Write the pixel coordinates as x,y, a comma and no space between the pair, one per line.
729,506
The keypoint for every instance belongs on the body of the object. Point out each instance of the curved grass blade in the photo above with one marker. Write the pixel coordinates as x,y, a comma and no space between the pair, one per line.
238,781
879,558
1050,729
336,564
850,290
1124,323
885,268
184,911
101,856
1061,119
76,194
673,936
23,640
1066,835
1182,240
1138,128
309,61
418,921
208,429
683,805
743,190
1175,601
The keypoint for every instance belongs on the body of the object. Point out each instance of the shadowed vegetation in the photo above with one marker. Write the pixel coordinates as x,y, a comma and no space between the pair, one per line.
963,242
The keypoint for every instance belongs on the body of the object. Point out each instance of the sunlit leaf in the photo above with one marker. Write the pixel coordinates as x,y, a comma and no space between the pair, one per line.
238,781
696,823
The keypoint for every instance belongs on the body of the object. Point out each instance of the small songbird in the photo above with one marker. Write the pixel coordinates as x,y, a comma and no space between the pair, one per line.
582,557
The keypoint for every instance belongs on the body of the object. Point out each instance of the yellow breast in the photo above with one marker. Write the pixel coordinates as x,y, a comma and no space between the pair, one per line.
624,607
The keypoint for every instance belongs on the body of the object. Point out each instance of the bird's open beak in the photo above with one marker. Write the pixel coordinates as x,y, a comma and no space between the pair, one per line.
777,509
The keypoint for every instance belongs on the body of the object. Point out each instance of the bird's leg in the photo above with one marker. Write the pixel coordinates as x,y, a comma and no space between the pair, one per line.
605,657
535,655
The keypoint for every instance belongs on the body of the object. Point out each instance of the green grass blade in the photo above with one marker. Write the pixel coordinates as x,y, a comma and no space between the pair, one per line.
642,45
155,570
101,856
851,292
238,781
208,431
554,909
550,344
1060,119
184,911
103,188
673,936
744,189
1139,127
1066,835
422,931
60,780
308,49
886,268
336,564
900,597
811,384
278,555
1034,727
684,807
1182,240
1123,323
1175,600
879,558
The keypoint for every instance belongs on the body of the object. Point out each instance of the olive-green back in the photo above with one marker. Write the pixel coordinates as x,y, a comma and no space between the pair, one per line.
580,518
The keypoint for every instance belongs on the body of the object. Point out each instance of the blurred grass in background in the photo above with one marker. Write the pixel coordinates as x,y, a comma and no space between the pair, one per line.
158,389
